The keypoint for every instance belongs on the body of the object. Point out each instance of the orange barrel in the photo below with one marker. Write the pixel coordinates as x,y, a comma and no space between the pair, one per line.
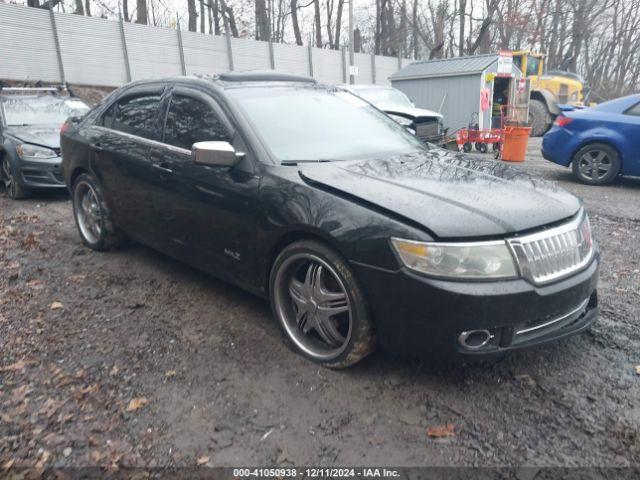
514,147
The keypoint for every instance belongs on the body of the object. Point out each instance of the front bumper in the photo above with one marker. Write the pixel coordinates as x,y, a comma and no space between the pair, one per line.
41,173
417,315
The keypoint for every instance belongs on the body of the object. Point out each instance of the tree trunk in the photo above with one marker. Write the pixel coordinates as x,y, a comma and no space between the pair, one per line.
318,23
79,8
295,23
87,8
463,8
336,38
141,6
202,16
262,20
216,17
125,11
193,15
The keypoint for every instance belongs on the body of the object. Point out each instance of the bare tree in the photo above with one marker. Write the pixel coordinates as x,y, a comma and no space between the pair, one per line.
262,20
192,15
141,8
295,22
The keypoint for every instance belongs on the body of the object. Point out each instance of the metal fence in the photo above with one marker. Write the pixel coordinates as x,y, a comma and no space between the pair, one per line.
37,44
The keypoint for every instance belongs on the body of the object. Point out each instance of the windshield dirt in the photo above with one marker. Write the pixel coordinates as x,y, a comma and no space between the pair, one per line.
44,110
317,124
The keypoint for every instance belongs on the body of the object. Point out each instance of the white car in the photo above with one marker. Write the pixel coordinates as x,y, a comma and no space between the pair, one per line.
426,124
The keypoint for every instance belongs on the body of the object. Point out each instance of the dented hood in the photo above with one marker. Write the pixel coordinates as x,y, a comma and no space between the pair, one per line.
452,195
45,135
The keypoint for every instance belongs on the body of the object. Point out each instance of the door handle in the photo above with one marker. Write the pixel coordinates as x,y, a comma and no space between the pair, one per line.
162,168
97,147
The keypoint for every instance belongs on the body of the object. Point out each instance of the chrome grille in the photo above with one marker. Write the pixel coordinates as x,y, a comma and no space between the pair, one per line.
427,130
555,253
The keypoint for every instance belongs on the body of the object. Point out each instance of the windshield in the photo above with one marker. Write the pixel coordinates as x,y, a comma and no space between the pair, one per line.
42,110
384,96
532,65
318,124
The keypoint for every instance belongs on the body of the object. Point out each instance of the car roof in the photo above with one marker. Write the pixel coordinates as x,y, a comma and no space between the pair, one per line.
231,79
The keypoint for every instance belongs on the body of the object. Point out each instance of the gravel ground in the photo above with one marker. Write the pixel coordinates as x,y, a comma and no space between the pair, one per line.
130,358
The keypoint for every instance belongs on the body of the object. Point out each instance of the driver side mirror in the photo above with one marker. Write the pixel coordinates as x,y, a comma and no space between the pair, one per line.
215,154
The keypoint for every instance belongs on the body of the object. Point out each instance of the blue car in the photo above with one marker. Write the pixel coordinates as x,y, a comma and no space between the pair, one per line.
599,143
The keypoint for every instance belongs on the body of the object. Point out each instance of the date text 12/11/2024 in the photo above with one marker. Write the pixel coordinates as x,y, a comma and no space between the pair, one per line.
319,472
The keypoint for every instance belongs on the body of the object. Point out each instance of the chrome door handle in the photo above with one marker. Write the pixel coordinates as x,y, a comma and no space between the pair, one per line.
161,168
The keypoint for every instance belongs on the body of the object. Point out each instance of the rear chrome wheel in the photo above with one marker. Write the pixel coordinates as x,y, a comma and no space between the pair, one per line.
88,213
320,306
596,164
92,215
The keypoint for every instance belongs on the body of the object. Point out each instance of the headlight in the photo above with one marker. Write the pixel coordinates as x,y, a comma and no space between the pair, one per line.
478,260
27,151
405,122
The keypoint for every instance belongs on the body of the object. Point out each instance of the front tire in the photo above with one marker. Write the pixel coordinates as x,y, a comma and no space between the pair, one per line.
92,215
539,118
12,183
596,164
320,305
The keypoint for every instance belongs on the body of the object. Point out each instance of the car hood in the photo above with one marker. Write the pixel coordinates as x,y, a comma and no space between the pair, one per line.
412,112
451,195
45,135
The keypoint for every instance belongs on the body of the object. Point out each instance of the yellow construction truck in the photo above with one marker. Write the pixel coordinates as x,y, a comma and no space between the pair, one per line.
548,90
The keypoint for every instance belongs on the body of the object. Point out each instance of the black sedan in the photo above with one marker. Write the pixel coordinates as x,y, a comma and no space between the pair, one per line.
30,120
358,233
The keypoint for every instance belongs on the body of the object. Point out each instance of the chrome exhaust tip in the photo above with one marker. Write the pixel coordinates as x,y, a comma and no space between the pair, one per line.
474,339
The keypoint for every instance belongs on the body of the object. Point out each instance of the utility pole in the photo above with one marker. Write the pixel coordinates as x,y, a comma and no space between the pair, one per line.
352,78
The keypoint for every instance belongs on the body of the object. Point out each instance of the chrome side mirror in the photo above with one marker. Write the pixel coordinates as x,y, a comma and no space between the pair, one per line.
215,154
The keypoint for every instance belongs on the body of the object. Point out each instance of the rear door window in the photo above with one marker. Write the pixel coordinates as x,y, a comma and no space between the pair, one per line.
136,115
192,120
635,110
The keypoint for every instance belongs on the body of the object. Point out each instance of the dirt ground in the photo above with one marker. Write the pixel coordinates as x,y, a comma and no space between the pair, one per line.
130,358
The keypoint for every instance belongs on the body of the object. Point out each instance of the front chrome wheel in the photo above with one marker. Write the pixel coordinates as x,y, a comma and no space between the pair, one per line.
313,306
10,182
88,212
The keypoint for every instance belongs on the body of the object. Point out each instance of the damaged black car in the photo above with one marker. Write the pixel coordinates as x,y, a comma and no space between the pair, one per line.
358,233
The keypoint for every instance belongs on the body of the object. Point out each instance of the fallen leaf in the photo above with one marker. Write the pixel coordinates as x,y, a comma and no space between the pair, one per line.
34,283
56,306
114,371
136,403
440,431
49,407
19,365
43,459
77,278
637,369
7,465
203,460
170,373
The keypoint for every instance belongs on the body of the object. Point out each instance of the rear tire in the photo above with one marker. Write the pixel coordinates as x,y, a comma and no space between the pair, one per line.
92,215
467,147
320,305
539,118
596,164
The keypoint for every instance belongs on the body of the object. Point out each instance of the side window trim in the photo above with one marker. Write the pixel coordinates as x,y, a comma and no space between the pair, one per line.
159,90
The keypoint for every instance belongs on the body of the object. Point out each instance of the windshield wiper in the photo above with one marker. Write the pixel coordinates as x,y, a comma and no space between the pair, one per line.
296,162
